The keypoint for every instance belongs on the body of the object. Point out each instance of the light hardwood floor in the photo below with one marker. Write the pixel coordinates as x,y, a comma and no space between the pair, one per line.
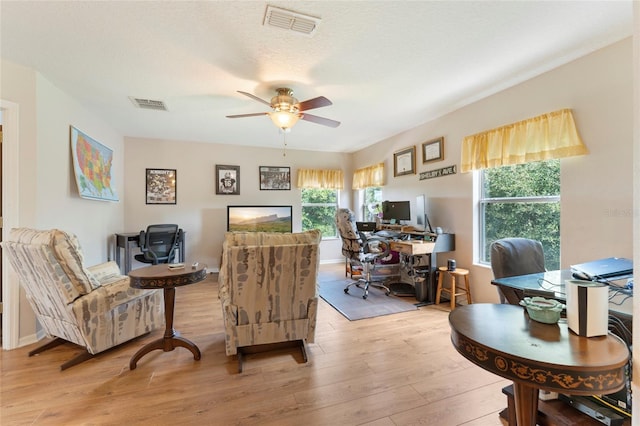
399,369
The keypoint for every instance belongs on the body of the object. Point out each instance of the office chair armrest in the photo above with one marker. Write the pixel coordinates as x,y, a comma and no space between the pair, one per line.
380,242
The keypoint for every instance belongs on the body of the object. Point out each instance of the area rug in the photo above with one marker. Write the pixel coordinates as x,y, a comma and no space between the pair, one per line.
354,307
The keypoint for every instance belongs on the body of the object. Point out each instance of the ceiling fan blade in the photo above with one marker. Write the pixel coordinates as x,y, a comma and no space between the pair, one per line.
318,102
319,120
254,97
255,114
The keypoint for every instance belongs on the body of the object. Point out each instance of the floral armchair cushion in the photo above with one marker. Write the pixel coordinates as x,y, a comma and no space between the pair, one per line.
92,307
268,287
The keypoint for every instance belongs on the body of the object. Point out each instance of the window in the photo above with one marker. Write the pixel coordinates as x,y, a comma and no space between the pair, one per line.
371,203
521,201
319,207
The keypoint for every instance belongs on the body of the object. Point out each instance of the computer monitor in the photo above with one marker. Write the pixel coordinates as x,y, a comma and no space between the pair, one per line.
366,226
396,210
421,214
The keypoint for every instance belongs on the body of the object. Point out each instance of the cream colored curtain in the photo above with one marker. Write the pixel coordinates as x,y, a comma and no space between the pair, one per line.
548,136
368,176
325,179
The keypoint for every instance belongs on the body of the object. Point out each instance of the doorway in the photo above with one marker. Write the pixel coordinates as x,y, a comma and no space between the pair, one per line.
10,298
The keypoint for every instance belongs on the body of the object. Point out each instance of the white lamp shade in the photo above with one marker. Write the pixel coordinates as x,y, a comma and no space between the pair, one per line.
284,119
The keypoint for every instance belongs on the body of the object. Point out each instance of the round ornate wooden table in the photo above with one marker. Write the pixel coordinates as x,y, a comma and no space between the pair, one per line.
503,340
160,276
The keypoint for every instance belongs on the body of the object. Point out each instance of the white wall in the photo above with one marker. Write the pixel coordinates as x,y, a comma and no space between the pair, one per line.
596,206
47,193
596,189
198,210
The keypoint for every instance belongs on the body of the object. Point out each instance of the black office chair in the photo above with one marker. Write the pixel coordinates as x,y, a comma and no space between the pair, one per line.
158,244
360,249
515,256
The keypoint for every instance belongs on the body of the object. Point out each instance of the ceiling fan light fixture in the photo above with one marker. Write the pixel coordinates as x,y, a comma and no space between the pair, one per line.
284,120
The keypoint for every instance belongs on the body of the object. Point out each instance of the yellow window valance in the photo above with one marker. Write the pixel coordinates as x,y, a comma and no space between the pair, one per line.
368,176
325,179
548,136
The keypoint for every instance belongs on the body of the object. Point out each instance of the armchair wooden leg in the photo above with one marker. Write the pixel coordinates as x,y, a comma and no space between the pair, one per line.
49,345
239,355
80,358
83,356
303,349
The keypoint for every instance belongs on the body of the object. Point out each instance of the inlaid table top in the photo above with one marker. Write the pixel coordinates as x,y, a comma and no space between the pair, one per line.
161,276
503,339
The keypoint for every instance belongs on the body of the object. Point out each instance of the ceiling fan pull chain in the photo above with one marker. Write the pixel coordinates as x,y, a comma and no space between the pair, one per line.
284,148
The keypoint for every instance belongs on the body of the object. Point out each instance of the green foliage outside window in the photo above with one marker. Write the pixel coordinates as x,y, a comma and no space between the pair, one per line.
523,201
319,208
372,196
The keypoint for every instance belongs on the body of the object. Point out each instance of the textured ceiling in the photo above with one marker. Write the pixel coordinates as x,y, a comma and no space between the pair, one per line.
387,66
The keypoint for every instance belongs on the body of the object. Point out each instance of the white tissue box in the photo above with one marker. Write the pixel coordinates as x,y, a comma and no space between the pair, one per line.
587,307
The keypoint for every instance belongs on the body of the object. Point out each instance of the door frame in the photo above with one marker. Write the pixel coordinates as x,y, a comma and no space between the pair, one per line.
10,210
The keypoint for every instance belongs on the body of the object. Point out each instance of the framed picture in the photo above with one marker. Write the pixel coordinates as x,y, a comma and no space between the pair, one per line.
228,180
92,166
275,178
404,162
433,150
259,218
161,186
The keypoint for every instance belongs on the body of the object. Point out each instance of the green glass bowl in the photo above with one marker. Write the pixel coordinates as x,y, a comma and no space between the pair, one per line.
543,310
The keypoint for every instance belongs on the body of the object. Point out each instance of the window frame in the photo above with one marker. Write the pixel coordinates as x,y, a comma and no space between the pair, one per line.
482,204
336,205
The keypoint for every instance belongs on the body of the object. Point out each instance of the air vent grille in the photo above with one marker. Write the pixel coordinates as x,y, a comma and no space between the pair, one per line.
292,21
148,104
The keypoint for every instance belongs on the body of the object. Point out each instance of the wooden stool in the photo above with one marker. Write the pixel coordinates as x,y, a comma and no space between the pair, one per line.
458,272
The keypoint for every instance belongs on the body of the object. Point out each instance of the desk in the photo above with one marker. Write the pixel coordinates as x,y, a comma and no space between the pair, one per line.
502,339
130,240
423,250
160,276
551,285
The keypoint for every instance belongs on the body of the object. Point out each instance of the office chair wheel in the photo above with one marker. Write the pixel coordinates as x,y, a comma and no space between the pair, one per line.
346,290
364,296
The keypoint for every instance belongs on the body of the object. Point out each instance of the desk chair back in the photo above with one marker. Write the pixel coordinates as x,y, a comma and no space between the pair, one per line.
360,250
158,244
515,256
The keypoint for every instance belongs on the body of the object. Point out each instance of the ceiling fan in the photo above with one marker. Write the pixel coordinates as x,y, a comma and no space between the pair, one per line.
287,110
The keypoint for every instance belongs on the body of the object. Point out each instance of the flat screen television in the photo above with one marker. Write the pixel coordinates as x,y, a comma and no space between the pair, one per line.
395,211
259,218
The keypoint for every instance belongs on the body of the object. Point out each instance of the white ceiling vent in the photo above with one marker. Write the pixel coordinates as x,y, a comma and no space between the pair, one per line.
148,104
292,21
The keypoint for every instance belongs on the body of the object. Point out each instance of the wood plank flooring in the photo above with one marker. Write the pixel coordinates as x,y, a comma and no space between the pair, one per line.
399,369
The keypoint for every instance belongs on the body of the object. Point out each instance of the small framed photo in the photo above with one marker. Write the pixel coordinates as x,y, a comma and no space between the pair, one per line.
275,178
228,180
404,162
433,150
161,186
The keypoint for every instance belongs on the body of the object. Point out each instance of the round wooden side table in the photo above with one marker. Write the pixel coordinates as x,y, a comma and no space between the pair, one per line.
503,339
161,276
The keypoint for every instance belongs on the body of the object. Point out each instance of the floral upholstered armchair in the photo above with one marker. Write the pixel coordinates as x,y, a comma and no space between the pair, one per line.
268,289
92,307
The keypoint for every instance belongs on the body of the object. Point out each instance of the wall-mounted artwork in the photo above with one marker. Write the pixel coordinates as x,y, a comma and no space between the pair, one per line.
404,162
161,186
92,163
228,180
275,178
433,150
